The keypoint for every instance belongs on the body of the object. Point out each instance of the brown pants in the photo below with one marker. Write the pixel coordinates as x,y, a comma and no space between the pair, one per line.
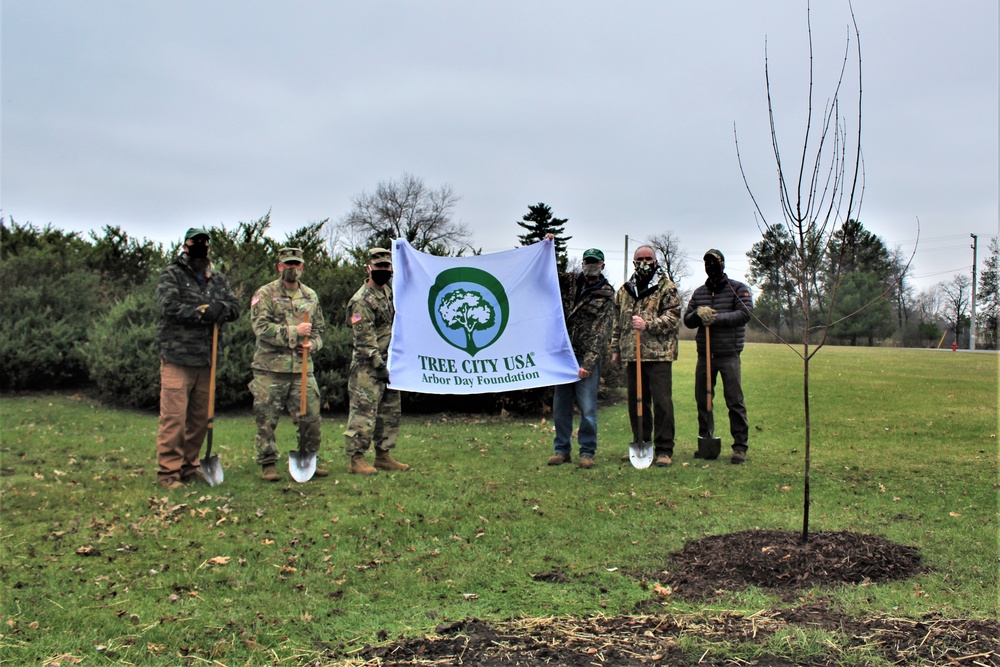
183,419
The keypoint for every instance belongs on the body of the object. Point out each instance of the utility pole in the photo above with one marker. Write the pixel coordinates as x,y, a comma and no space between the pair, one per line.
972,323
625,277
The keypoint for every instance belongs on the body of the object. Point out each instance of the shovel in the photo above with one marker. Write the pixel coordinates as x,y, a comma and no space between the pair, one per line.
639,453
210,466
302,464
709,447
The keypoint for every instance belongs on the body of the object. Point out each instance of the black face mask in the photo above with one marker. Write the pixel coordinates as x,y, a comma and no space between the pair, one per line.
714,271
198,250
381,276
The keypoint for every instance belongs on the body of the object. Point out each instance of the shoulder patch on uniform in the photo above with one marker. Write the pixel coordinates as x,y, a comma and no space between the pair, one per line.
355,318
256,298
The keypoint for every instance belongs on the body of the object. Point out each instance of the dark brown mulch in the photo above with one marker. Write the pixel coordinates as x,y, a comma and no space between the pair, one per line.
778,560
707,569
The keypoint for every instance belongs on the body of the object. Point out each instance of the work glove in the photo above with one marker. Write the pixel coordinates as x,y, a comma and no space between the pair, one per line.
382,373
707,315
214,312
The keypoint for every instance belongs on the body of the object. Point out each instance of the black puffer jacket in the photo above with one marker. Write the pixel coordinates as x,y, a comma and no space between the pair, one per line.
732,301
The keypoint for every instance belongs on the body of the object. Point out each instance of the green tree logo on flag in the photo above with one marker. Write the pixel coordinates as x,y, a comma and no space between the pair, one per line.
469,308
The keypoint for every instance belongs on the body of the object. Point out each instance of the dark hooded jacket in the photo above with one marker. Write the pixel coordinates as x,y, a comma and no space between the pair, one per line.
184,337
733,304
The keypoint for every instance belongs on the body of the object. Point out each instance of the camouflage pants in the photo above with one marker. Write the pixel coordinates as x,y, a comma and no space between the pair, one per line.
275,394
375,413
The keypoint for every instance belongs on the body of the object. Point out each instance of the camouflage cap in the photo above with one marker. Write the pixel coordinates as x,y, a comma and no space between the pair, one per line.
196,231
593,253
379,255
290,255
716,254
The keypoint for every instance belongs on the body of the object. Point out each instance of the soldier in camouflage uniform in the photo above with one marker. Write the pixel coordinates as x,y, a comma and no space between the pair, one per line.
277,314
589,309
375,409
192,298
649,303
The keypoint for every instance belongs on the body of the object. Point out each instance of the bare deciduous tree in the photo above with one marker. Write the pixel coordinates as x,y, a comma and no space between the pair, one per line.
819,190
404,209
669,249
956,295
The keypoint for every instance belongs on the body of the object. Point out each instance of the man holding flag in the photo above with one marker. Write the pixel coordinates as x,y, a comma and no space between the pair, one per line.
589,309
375,409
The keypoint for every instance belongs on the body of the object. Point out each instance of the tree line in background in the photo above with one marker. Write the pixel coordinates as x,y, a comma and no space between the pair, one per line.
82,310
873,288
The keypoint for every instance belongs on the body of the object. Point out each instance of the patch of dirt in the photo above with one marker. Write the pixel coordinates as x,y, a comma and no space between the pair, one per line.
777,560
705,569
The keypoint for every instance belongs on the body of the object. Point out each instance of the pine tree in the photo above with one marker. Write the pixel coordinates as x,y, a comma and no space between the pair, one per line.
988,300
539,222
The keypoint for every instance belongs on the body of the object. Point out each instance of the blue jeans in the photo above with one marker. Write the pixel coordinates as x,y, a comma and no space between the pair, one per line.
584,393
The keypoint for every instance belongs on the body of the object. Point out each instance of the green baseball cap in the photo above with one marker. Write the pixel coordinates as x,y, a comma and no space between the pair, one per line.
196,231
593,253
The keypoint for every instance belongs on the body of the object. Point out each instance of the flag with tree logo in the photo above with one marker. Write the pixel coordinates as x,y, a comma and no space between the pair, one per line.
486,323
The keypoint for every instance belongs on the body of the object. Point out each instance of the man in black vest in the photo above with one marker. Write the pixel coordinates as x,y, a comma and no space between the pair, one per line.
725,305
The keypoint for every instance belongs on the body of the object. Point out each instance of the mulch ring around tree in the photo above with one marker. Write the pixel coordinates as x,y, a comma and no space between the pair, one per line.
706,569
777,560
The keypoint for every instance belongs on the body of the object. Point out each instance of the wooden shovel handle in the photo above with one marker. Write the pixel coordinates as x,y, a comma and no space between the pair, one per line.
305,371
708,367
211,379
638,378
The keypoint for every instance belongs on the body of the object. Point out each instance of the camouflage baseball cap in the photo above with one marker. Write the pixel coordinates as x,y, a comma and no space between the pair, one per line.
290,255
593,253
379,255
196,231
716,254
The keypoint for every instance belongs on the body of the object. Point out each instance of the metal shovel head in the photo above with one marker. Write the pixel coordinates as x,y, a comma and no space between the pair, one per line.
301,465
640,454
212,469
709,448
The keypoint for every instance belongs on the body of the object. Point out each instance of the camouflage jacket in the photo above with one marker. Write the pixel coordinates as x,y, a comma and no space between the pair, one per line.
660,305
183,338
590,314
274,313
369,314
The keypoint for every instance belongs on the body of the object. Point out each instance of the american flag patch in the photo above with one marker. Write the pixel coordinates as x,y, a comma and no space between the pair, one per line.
256,298
355,318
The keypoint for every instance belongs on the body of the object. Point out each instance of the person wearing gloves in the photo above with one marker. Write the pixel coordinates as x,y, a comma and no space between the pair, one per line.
725,305
192,299
288,322
375,408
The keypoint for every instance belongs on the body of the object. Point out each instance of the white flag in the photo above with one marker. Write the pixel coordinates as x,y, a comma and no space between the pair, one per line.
471,325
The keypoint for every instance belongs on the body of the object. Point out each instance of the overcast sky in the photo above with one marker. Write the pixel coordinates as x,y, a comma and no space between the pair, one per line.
156,116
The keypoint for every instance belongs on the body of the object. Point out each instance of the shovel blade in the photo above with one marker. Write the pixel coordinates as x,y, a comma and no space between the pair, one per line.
212,469
301,465
640,454
709,448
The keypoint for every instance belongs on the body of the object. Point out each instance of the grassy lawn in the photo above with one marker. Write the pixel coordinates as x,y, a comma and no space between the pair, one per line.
101,565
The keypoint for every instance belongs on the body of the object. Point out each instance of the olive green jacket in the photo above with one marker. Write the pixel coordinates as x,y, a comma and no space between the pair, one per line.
274,314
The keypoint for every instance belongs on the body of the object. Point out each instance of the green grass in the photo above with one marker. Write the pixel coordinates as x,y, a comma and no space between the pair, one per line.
98,563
